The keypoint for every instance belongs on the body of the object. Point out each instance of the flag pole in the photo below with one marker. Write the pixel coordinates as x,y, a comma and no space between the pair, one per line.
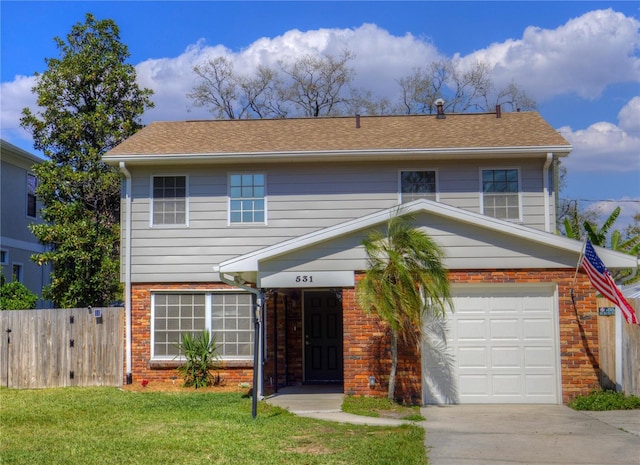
575,275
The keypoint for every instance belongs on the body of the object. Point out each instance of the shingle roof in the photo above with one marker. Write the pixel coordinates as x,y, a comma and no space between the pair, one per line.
473,130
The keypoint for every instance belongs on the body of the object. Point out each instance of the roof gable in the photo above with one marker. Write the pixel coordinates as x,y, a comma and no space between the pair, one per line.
251,262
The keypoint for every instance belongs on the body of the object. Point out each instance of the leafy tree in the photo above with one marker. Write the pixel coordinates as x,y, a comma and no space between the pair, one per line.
16,296
404,281
598,236
577,226
88,102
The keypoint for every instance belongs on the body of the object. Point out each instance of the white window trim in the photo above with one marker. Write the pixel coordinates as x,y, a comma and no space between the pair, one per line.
186,201
6,257
481,189
207,314
26,196
400,171
266,199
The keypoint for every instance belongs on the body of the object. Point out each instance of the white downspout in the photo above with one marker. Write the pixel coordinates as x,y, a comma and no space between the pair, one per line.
127,268
545,184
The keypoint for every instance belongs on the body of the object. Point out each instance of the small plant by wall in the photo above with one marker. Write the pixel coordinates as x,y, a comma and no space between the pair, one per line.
201,355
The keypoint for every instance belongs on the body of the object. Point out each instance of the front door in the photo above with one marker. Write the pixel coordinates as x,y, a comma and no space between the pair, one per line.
322,337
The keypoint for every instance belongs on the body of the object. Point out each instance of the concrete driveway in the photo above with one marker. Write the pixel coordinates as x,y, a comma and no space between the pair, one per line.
531,435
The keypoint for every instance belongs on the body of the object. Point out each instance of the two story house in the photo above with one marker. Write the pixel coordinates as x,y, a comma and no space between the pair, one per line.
20,209
218,215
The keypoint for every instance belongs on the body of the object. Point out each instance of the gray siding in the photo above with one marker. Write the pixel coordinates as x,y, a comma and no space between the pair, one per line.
17,239
302,198
467,247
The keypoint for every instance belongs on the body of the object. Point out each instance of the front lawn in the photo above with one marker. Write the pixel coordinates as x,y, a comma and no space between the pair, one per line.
109,426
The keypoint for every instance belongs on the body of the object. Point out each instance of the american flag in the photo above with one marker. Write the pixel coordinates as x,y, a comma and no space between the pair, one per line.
603,282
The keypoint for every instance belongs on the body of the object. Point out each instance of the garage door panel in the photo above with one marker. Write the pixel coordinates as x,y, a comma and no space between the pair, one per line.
506,385
473,385
504,329
506,357
473,357
538,329
471,330
502,345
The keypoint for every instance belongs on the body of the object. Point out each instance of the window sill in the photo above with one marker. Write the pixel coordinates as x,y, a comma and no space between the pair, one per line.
173,364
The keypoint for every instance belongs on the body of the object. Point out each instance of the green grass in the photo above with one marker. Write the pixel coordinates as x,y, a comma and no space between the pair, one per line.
380,407
605,400
109,426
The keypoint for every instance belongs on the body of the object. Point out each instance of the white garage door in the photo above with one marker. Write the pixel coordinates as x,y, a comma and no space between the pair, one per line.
501,348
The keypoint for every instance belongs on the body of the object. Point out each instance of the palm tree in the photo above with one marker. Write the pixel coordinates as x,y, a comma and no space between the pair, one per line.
404,280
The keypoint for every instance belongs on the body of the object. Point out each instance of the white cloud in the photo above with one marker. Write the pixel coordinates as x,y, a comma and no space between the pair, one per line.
605,146
15,96
583,56
629,117
381,59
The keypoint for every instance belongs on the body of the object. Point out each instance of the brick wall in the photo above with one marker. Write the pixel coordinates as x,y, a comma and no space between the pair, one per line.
232,373
366,339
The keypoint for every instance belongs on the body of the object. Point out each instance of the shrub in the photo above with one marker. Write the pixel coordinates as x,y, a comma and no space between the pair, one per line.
15,296
201,354
605,400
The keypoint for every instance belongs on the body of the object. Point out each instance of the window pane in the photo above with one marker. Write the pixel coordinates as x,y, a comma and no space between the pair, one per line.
169,200
246,192
233,324
417,185
235,180
173,315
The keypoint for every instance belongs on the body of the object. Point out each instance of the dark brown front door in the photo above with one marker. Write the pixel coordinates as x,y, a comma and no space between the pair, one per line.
322,337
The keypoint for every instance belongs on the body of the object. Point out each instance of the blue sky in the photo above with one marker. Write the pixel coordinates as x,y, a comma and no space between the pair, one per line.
579,60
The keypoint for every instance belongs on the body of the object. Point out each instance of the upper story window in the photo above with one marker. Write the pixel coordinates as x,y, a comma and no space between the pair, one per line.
247,198
16,272
169,200
32,183
501,193
4,257
227,315
417,185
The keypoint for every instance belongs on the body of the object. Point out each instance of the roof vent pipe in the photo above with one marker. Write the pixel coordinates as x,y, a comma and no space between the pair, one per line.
498,111
440,107
357,121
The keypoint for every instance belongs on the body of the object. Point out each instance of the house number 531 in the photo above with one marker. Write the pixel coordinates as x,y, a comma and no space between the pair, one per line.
304,279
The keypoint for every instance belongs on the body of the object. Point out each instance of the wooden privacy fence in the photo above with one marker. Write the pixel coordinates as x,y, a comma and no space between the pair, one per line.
629,344
61,347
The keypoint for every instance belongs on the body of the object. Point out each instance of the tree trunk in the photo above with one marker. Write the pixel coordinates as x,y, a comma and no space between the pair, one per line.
394,365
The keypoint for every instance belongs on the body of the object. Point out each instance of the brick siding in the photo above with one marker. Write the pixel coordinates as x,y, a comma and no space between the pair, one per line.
366,339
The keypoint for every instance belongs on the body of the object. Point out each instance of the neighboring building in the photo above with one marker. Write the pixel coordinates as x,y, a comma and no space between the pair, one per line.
20,208
212,207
